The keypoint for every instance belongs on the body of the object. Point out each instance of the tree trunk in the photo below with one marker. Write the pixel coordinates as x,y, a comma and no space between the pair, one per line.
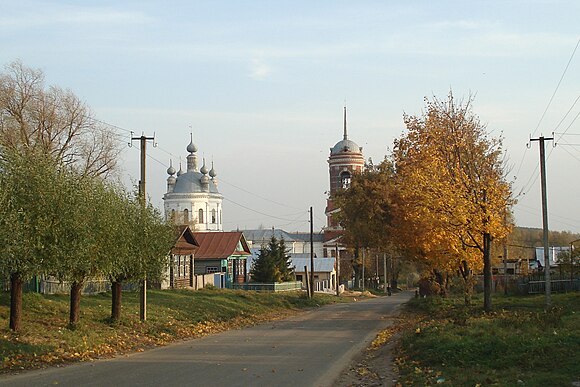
394,274
356,267
116,293
75,302
15,301
467,282
487,272
440,280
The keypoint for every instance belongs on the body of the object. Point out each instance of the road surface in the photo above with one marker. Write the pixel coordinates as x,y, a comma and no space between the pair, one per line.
310,349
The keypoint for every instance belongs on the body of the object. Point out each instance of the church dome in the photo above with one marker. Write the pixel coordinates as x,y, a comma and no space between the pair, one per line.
191,182
345,146
191,148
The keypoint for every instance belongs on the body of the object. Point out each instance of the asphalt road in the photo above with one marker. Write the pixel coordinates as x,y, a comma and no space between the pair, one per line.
310,349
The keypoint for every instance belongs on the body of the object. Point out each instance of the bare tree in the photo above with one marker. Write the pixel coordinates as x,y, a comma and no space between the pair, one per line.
53,121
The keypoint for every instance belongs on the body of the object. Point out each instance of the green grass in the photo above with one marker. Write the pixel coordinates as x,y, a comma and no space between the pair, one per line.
45,338
515,345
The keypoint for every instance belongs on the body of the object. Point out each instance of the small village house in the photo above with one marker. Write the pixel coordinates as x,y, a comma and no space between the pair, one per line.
222,252
181,260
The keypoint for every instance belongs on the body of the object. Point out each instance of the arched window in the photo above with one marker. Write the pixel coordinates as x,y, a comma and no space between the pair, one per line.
185,216
213,216
200,215
345,179
173,215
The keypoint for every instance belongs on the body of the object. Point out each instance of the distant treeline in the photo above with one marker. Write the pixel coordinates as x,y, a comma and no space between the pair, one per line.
523,240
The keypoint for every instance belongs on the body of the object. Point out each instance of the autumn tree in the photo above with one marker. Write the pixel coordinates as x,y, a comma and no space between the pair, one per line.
453,195
366,210
273,263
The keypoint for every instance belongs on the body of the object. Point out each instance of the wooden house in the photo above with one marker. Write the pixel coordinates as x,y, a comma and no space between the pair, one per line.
222,252
181,260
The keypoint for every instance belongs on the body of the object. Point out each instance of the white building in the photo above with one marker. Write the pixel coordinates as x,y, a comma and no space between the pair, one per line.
192,196
295,242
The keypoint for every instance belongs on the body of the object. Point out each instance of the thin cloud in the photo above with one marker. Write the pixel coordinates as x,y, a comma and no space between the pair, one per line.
259,70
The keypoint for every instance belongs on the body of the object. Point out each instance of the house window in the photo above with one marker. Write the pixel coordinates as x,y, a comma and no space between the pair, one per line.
177,266
345,179
212,269
185,216
213,216
200,215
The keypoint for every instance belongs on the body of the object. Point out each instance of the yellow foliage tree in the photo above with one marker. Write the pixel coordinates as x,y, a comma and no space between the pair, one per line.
453,197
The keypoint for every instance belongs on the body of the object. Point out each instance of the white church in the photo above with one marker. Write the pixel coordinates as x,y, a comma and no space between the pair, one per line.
192,196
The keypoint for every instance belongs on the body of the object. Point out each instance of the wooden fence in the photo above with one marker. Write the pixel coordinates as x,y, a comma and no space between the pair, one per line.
270,287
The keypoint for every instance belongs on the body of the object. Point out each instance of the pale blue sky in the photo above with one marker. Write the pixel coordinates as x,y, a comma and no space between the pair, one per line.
262,84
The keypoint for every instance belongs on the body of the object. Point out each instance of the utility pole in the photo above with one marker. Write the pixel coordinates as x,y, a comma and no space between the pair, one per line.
143,198
542,140
363,269
505,258
337,255
311,256
385,271
505,274
572,264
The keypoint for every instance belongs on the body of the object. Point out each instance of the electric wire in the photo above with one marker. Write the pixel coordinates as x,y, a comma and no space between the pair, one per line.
258,212
557,87
549,103
563,118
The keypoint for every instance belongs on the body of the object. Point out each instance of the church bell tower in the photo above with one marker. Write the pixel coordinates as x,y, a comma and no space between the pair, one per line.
346,158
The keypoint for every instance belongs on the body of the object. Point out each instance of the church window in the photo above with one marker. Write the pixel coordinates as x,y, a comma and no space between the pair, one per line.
213,216
201,215
345,179
185,216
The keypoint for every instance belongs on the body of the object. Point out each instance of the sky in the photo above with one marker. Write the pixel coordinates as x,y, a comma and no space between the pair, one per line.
262,85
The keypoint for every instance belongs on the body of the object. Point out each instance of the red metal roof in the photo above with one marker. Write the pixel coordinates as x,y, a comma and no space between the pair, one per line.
220,245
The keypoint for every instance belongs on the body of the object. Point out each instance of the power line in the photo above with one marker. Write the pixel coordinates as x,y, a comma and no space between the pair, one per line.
258,212
535,211
571,123
557,87
549,103
566,115
243,189
258,196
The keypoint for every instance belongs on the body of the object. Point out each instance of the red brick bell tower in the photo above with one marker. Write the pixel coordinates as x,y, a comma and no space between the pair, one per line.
345,159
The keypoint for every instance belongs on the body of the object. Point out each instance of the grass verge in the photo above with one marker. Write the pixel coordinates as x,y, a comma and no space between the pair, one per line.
172,315
518,344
